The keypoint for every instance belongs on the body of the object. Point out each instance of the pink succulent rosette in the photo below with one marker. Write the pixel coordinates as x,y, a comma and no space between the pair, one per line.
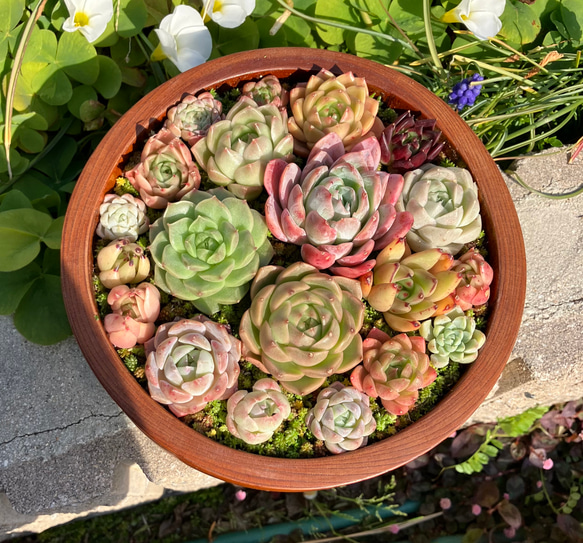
477,274
134,312
340,208
266,91
191,118
192,362
255,416
394,369
166,171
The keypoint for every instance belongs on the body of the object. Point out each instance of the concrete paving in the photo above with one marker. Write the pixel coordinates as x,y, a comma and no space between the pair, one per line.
66,449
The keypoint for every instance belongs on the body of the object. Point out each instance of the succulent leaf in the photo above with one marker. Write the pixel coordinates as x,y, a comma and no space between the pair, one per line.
122,217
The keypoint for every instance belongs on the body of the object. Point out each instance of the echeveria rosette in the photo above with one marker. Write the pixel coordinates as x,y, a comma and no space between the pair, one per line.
266,91
122,262
166,171
342,418
191,118
255,416
340,208
208,247
408,143
477,274
236,151
394,369
134,312
192,362
444,204
122,217
410,289
302,326
328,103
452,337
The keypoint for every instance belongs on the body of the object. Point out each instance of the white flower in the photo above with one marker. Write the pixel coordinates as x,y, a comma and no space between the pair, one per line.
481,17
229,13
90,17
184,39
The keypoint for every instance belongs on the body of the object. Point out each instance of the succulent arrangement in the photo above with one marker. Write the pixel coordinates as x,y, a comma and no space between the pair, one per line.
281,269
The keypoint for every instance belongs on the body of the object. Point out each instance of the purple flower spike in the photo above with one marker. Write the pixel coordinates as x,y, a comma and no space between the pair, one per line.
463,94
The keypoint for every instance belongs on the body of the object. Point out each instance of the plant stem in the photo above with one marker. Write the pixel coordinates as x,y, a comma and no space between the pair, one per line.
15,72
317,20
572,194
429,34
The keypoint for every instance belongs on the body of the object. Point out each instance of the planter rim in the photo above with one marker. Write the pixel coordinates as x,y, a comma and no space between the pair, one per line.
505,244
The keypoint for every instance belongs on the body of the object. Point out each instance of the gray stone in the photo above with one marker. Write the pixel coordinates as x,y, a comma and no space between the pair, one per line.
546,365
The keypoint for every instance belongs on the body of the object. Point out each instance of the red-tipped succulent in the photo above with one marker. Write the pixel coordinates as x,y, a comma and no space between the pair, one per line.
477,274
340,208
409,143
394,369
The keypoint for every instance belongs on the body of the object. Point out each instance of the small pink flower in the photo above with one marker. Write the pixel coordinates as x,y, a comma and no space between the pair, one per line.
394,528
476,509
240,495
506,496
134,312
548,463
445,503
509,532
539,484
453,435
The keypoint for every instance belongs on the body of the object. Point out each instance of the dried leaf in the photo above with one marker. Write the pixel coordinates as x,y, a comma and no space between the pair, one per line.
510,513
488,494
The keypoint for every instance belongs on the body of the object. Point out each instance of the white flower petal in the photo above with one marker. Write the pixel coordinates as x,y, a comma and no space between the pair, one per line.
483,24
230,16
198,39
167,43
189,58
494,6
97,12
181,18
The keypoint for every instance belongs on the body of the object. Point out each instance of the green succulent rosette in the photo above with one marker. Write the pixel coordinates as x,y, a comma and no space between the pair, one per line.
207,248
302,326
452,337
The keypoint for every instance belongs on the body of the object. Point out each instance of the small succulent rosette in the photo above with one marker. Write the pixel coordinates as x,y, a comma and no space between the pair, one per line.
166,171
192,362
122,217
255,416
340,208
477,275
193,116
134,312
452,337
410,289
302,325
266,91
236,151
342,418
329,103
122,262
408,143
394,369
207,248
444,204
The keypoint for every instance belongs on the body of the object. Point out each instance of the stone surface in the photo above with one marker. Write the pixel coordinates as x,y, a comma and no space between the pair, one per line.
66,449
65,445
546,365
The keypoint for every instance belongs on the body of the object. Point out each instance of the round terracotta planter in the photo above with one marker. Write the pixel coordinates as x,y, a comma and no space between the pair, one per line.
506,255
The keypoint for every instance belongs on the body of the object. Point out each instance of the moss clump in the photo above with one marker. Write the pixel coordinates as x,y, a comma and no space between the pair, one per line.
123,186
134,360
374,319
386,114
100,293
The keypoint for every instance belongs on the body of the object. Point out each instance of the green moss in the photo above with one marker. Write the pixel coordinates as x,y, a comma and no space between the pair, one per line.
386,114
134,360
100,293
374,319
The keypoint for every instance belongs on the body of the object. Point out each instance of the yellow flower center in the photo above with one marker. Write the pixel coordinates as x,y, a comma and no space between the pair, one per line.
81,19
217,6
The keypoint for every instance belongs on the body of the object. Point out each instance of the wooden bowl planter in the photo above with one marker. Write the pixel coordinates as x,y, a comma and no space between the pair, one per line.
506,256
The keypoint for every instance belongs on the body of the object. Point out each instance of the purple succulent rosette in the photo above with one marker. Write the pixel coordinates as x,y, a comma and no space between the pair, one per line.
340,208
255,416
192,362
191,118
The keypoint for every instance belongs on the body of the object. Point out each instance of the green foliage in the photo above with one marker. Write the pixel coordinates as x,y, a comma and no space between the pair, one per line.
508,427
